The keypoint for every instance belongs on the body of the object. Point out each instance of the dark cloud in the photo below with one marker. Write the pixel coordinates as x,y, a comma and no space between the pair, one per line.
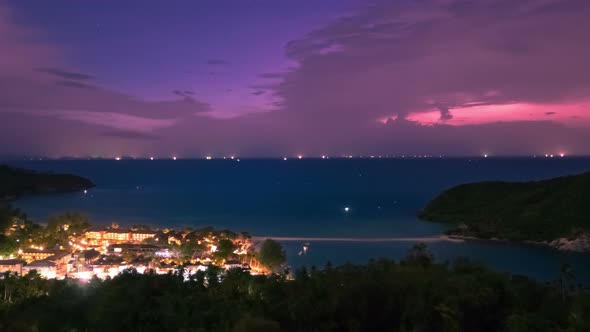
403,57
75,84
550,113
64,74
445,113
217,62
272,75
187,95
129,135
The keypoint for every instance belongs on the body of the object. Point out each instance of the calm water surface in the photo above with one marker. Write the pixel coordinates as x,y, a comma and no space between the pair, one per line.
307,198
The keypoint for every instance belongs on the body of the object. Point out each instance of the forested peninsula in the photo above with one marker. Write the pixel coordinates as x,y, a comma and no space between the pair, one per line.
554,211
15,182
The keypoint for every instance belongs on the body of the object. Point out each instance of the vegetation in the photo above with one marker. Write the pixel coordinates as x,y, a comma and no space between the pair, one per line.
17,230
536,211
271,254
17,182
380,296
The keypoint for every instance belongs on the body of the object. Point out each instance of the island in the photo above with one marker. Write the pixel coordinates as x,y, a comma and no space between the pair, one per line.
15,182
553,212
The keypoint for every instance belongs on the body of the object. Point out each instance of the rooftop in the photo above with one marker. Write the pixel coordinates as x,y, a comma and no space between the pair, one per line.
41,263
7,262
38,251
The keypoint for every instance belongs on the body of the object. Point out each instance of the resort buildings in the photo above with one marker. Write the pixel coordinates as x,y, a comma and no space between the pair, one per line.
117,235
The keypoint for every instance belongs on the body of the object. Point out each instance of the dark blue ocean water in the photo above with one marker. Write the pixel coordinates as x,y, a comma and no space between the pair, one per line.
306,198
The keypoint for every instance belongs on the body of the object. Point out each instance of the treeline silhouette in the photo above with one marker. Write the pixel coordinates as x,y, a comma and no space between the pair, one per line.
412,295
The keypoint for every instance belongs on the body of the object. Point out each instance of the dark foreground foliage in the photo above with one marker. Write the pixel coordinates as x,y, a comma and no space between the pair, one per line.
536,210
379,296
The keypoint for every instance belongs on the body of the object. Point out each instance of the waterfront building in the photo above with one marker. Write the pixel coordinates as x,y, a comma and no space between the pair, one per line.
45,268
12,266
117,235
119,249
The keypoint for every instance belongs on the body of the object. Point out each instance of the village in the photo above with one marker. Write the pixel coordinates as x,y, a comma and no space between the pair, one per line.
104,252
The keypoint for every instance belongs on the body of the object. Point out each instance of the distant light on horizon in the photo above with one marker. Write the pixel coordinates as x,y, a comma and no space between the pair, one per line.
562,155
208,158
485,155
300,156
284,158
117,158
323,157
173,158
346,209
151,158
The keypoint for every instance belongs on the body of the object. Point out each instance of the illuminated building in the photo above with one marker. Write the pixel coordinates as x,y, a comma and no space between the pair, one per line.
45,268
30,255
12,266
116,235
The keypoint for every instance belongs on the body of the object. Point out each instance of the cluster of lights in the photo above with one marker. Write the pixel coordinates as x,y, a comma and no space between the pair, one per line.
351,156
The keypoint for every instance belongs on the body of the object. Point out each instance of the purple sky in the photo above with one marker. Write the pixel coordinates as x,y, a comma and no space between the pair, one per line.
282,78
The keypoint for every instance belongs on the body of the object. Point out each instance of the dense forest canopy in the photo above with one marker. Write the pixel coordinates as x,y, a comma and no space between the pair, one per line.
414,295
536,210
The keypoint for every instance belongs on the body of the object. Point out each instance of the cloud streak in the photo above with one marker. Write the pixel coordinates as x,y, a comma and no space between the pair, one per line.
64,74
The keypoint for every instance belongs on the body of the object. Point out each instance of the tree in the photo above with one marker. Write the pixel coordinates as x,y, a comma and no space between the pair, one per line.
248,324
60,229
8,246
271,254
419,255
225,248
566,279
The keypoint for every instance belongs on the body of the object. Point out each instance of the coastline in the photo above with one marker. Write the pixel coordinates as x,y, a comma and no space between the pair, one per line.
435,238
579,244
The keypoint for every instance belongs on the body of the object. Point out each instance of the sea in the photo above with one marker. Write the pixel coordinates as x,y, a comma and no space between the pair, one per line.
343,210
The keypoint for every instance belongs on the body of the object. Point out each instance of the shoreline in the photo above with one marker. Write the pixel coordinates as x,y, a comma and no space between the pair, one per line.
561,244
435,238
577,245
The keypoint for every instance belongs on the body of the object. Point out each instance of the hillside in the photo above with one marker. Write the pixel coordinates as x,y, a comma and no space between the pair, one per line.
16,182
535,211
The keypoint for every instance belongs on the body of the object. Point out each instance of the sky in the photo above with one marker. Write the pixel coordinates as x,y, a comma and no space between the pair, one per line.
268,78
